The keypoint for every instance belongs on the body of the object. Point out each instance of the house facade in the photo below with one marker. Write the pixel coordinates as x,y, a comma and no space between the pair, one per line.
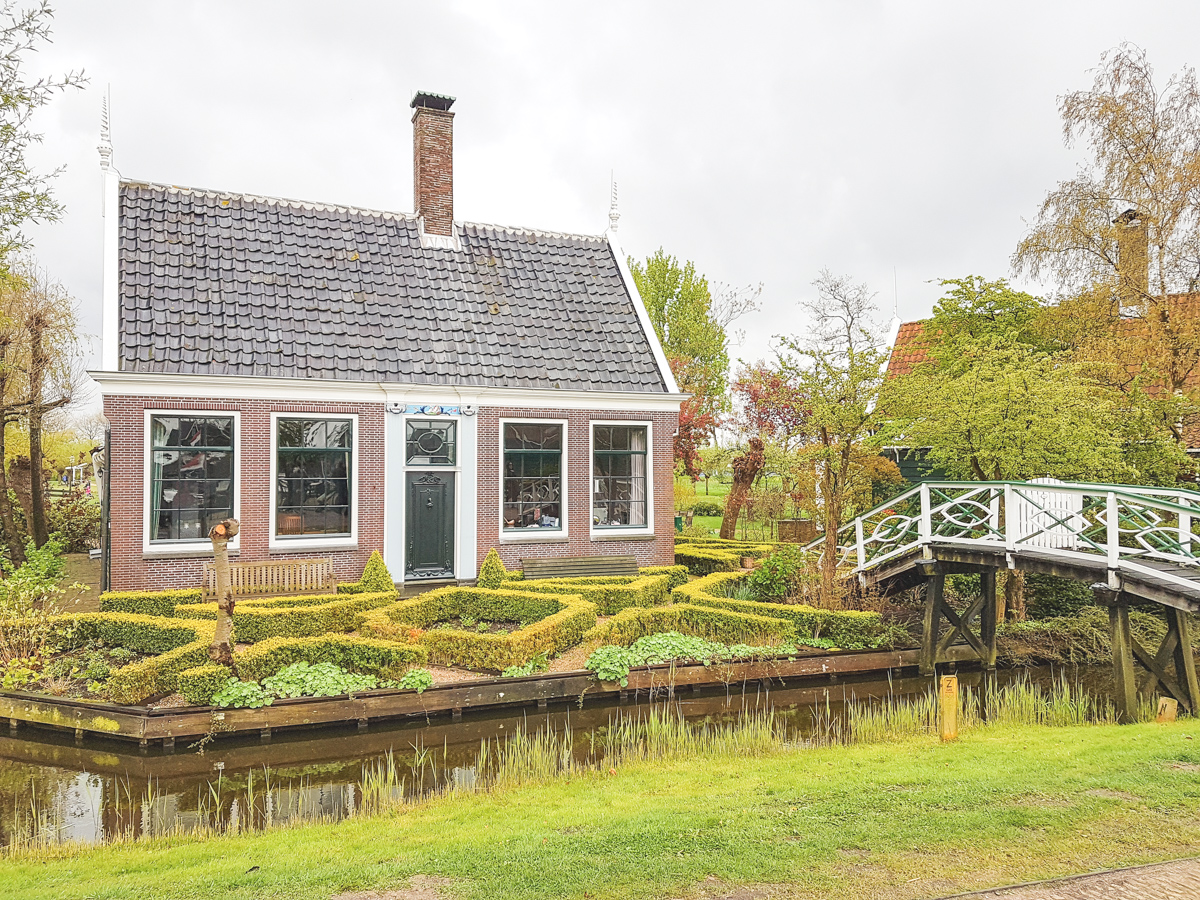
345,380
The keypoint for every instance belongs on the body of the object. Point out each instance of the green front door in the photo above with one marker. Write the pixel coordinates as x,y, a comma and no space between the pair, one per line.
429,530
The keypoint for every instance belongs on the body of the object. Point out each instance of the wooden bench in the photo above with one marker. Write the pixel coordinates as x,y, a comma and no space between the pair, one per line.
280,576
579,566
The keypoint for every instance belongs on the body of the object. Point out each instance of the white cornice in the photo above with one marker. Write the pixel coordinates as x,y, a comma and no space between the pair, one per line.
241,387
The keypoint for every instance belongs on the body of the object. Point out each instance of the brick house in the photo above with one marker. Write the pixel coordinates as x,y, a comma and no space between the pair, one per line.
345,380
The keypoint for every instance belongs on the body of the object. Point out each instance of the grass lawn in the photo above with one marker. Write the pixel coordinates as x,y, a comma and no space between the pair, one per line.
899,820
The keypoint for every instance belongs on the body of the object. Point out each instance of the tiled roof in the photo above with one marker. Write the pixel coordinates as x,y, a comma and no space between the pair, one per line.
910,349
216,283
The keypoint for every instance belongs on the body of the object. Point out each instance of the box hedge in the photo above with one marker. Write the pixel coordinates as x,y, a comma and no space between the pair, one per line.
555,622
611,594
677,574
703,561
257,622
148,603
710,623
178,644
209,610
367,656
198,684
849,629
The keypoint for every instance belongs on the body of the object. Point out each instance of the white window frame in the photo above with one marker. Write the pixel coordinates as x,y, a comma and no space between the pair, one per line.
617,532
535,535
188,548
313,541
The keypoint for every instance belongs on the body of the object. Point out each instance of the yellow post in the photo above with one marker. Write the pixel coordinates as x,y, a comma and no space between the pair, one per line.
948,707
1167,710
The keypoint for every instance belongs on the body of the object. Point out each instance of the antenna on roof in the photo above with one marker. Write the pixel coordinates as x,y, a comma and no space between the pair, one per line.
105,148
613,215
895,294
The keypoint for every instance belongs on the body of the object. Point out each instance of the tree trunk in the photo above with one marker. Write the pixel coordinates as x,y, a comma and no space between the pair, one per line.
37,484
221,651
8,525
746,467
1014,596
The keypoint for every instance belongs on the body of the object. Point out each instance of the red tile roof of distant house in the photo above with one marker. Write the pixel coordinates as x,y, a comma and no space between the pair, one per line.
910,349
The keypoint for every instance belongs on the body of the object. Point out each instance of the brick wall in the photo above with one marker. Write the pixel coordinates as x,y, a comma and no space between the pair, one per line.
433,168
130,571
659,551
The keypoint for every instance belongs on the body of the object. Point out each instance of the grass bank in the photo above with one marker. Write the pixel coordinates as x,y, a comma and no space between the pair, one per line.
905,819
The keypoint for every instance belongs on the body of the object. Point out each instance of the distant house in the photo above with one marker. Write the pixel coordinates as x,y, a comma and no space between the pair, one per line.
345,380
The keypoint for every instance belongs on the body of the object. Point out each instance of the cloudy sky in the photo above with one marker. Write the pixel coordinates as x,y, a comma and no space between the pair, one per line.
896,142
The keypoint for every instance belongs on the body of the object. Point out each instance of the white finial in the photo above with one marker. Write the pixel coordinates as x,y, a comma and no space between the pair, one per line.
613,215
105,148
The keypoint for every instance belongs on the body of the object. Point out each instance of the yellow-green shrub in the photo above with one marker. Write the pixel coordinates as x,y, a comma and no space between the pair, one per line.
148,603
257,622
492,572
366,656
849,629
198,684
677,574
375,578
558,622
611,594
209,610
705,622
180,644
703,561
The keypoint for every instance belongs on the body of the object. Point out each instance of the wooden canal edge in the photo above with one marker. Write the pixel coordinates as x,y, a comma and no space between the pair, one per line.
144,725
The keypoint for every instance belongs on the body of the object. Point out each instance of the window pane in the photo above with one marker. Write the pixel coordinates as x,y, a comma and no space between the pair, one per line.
312,485
191,475
531,491
430,443
619,486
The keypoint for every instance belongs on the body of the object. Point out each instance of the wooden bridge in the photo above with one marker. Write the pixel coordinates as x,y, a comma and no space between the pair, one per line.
1127,542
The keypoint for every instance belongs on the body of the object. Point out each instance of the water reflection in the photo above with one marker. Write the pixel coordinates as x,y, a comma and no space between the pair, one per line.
52,790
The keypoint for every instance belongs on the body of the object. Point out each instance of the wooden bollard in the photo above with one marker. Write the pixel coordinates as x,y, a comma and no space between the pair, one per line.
1168,709
948,707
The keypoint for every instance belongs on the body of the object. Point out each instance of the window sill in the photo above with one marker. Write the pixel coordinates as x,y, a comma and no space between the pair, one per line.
619,535
551,537
195,551
288,546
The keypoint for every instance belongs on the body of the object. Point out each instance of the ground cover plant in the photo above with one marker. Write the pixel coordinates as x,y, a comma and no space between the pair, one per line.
657,808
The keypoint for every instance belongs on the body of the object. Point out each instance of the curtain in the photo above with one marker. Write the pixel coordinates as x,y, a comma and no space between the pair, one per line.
158,437
637,444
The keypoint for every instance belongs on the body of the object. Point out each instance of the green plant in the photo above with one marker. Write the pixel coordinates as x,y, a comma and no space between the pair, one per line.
241,695
782,575
557,621
612,593
538,664
726,626
613,662
706,506
386,659
418,680
151,603
324,679
375,578
257,622
76,521
30,596
199,684
492,572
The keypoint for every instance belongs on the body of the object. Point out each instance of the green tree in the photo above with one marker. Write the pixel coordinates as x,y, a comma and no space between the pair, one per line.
838,370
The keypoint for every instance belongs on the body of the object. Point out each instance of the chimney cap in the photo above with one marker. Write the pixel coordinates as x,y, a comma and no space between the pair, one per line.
427,100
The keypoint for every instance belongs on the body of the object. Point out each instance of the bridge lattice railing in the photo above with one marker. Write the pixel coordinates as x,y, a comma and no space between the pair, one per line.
1119,522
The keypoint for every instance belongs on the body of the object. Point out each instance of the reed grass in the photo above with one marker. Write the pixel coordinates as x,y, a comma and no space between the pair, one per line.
535,755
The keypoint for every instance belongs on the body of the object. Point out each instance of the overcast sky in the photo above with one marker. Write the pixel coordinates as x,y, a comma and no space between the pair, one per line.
896,142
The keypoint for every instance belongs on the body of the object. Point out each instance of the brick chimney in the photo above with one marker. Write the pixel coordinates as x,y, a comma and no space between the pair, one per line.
433,161
1133,258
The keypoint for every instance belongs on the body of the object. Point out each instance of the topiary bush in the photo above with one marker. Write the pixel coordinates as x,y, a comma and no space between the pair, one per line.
150,603
364,655
611,594
257,622
375,578
200,683
492,572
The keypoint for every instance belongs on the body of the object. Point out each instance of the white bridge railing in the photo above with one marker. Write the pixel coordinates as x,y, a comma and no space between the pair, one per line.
1128,525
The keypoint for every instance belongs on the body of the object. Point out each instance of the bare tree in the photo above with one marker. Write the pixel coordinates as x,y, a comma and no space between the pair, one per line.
1122,238
221,649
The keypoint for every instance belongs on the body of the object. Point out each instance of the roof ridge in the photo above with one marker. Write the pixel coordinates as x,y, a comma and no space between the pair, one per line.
346,207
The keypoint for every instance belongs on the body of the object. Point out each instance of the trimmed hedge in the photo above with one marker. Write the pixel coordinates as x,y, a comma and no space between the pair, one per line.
849,629
677,574
709,623
148,603
197,685
375,578
257,622
558,621
209,610
611,594
180,645
703,561
366,656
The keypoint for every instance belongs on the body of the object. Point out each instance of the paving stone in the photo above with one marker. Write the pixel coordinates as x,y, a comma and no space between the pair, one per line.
1179,880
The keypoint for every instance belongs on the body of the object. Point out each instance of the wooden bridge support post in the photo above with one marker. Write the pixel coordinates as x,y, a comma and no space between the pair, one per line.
1125,693
987,618
934,589
1185,662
